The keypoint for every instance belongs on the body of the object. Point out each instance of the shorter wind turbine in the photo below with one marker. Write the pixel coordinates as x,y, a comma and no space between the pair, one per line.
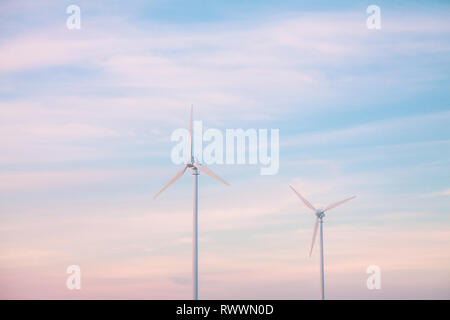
320,214
195,167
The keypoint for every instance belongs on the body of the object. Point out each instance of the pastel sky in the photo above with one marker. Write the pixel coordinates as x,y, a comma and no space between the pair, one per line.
85,123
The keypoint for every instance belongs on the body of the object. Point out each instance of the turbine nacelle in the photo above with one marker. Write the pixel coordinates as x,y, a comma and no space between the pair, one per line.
320,213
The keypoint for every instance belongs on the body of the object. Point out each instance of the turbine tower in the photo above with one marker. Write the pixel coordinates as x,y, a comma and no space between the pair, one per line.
195,168
320,214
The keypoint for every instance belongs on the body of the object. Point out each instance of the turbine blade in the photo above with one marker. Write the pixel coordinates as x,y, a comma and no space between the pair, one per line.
314,236
177,176
210,173
303,199
191,144
334,205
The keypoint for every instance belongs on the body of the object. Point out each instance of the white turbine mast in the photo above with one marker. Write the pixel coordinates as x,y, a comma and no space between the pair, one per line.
320,214
195,166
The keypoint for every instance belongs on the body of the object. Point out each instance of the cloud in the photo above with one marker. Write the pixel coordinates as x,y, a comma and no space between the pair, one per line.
42,180
445,192
383,131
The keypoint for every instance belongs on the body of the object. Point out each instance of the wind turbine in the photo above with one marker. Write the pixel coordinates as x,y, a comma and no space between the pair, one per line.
320,214
195,167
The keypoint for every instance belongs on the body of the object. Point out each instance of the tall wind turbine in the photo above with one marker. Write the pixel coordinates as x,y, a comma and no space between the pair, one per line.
320,214
195,167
